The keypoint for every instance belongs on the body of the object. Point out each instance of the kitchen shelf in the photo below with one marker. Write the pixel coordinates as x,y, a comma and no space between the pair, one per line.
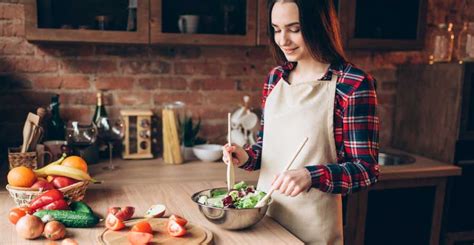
61,20
240,29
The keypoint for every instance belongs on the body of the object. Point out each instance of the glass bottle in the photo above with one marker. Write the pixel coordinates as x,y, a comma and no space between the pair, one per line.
465,48
132,15
56,126
99,109
442,43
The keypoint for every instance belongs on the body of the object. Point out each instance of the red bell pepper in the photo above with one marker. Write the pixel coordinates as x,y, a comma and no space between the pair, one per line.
46,198
60,204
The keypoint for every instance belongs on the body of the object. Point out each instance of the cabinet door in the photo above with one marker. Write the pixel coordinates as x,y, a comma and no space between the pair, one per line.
204,22
77,21
375,24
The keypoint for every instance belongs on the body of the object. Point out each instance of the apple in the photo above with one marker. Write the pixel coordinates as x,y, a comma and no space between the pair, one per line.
61,181
42,184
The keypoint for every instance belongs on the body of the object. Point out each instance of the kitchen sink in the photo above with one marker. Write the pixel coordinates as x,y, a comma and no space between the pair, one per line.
390,159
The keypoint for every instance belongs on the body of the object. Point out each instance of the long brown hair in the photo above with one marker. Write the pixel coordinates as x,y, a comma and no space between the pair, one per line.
320,30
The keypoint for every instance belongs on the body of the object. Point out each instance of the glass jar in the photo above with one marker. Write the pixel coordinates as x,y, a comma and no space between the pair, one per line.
442,43
465,48
172,114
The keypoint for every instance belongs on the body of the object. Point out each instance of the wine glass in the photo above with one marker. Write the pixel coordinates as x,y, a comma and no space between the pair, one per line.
81,135
110,131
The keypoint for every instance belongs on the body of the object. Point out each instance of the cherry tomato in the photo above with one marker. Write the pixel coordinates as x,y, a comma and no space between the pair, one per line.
139,238
180,220
175,229
16,213
142,226
113,223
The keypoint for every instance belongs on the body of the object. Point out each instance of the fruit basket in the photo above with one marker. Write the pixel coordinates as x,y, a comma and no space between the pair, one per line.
23,196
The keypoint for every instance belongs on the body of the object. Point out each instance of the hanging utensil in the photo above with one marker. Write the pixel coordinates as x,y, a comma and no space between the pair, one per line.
264,200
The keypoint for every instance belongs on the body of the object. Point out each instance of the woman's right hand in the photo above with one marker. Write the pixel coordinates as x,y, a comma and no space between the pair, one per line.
238,155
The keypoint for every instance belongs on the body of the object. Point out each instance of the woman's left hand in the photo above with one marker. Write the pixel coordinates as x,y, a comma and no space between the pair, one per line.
292,182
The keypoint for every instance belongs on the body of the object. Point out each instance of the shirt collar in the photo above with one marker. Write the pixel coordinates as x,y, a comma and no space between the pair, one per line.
333,69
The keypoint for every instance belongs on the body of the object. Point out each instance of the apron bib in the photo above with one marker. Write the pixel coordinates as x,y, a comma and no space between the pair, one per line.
293,112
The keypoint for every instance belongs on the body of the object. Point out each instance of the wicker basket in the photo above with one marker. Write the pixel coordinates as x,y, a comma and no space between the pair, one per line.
27,159
23,196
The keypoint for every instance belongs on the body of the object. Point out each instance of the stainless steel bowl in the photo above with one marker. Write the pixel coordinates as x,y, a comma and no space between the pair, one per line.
230,218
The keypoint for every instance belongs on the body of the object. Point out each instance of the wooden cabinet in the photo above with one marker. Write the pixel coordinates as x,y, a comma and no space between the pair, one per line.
371,24
219,22
76,21
389,25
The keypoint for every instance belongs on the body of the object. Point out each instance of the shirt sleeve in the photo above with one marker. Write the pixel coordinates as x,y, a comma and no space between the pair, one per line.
359,168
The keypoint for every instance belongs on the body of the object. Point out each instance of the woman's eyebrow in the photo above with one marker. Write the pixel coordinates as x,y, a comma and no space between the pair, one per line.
287,25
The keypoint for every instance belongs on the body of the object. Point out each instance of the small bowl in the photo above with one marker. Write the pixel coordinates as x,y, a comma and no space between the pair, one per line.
208,152
230,218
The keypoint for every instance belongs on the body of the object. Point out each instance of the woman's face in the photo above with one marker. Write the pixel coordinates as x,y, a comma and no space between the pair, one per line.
286,25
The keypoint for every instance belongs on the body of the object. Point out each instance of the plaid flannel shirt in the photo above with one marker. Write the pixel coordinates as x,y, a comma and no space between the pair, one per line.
356,131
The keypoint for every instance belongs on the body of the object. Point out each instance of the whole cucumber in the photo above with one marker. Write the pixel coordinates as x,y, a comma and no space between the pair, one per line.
73,219
81,207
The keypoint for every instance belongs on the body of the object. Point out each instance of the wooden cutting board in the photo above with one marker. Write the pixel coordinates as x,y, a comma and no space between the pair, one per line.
196,234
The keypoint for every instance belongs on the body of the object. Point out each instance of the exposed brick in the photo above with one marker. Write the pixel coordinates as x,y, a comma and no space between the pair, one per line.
58,82
214,84
81,114
78,98
89,66
230,98
382,75
229,53
65,50
390,86
215,133
13,46
259,54
191,98
144,67
122,50
106,83
11,11
239,69
31,64
31,99
173,83
250,84
189,52
385,114
162,52
197,68
12,29
133,98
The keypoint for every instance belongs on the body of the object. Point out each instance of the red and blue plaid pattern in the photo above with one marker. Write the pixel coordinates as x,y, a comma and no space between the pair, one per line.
356,131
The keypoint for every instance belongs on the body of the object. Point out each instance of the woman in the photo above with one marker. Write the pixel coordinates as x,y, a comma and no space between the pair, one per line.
315,93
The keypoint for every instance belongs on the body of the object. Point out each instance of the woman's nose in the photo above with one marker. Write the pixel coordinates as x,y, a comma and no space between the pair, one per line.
283,39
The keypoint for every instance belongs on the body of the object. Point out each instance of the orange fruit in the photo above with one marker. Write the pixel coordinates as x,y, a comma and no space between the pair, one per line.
21,177
75,162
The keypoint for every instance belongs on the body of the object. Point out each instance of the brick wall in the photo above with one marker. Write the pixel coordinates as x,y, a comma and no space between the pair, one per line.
211,80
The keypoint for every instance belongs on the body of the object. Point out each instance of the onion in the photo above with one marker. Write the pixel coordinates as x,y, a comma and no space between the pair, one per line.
54,230
29,227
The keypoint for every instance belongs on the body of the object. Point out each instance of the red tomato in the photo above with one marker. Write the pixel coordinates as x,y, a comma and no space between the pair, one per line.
122,213
113,223
142,226
175,229
139,238
180,220
16,213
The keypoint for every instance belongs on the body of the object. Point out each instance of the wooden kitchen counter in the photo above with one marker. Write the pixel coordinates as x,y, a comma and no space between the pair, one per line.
143,183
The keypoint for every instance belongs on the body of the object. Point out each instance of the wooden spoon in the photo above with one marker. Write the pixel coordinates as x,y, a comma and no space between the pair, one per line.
264,200
230,164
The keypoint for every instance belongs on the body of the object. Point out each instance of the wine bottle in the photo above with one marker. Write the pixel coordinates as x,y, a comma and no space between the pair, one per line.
56,127
99,109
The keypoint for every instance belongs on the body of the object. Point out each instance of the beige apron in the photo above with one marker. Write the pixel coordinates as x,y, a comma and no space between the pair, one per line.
293,112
